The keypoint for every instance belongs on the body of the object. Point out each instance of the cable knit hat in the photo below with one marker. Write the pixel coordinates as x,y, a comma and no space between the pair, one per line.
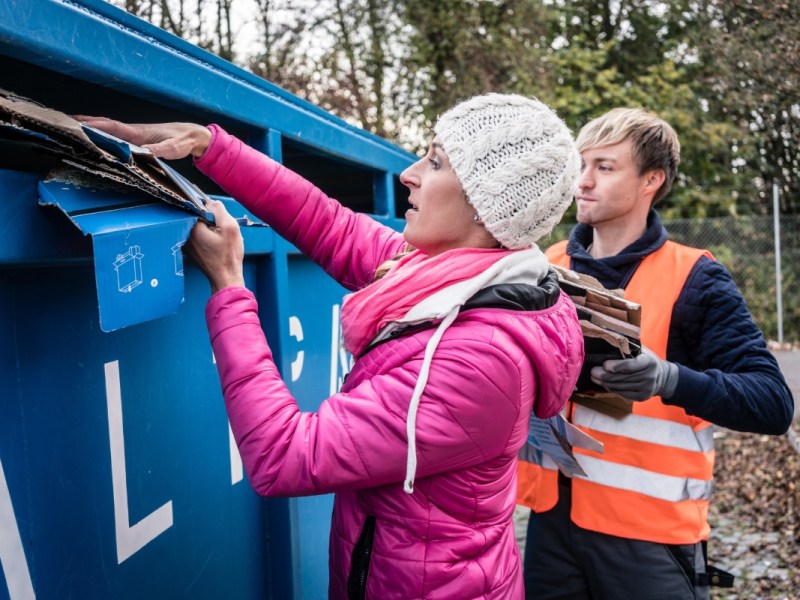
517,162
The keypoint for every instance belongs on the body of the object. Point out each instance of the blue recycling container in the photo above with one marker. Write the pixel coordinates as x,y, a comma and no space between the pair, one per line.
119,477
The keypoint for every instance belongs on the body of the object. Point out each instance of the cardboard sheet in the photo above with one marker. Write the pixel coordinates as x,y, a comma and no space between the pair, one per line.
27,125
611,331
556,437
136,242
137,209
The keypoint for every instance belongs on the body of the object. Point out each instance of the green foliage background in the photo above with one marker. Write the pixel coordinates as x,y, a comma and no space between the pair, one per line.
724,73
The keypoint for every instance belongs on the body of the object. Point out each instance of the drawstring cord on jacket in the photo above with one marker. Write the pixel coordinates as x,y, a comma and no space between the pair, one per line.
411,421
527,266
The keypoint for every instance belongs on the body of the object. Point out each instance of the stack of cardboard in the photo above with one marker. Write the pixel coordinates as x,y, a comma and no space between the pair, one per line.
611,330
35,136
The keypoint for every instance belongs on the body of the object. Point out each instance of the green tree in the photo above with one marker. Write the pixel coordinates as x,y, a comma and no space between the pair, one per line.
752,78
356,63
459,48
604,54
723,72
206,23
282,55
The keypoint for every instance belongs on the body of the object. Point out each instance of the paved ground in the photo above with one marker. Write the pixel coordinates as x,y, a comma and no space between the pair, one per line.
790,366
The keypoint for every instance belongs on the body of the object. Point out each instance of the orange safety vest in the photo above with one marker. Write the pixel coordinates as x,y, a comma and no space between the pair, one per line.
653,480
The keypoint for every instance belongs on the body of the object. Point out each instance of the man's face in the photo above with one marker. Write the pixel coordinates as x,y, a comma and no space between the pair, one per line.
610,190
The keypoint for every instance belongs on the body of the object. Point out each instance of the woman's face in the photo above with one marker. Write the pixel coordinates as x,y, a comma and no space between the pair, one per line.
440,218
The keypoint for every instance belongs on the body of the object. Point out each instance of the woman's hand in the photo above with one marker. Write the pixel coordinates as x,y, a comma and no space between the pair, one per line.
218,249
165,140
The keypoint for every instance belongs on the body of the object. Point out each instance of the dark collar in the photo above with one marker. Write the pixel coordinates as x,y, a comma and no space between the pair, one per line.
614,272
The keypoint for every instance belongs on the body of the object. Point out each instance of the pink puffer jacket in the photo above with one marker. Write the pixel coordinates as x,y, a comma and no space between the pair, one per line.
453,537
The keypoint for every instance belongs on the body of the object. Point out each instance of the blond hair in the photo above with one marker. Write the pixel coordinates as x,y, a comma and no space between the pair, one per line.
655,143
387,265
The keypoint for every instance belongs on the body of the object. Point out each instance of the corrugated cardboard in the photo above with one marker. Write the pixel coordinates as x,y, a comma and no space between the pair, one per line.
611,331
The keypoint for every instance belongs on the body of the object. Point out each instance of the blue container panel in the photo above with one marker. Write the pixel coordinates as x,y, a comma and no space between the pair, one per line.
320,364
201,525
32,234
118,475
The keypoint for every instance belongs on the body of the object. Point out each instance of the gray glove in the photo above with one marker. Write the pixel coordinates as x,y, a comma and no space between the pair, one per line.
638,378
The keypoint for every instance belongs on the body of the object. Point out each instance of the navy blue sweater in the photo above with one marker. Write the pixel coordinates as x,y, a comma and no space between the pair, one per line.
727,374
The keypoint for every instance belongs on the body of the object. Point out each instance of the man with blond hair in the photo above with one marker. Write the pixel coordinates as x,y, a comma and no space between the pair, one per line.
636,525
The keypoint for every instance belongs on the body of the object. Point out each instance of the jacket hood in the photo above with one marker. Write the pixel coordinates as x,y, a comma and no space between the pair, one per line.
551,337
525,266
523,285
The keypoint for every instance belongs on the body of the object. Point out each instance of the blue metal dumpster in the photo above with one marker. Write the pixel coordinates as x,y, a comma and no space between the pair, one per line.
118,474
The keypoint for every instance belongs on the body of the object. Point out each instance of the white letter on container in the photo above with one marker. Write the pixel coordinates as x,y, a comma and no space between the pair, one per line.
12,554
130,539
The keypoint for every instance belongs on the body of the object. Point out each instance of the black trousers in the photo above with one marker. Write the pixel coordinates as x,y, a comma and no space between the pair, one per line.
565,562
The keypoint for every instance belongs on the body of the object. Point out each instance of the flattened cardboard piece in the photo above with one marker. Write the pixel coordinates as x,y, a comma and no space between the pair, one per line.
25,150
595,296
623,345
97,152
137,245
158,172
137,209
57,125
577,438
555,437
33,137
139,271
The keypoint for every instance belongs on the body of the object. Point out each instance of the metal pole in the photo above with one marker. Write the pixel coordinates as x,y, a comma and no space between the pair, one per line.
778,273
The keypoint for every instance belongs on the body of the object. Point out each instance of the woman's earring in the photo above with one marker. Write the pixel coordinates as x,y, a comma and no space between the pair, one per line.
476,218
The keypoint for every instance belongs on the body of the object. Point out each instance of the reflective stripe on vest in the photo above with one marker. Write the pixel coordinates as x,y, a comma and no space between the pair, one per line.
647,429
642,481
653,481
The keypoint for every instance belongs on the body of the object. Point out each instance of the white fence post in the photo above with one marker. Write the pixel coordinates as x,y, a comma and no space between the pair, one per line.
778,273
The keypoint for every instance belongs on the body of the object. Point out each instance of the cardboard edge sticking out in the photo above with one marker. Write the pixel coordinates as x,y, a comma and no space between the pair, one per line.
610,324
555,438
93,151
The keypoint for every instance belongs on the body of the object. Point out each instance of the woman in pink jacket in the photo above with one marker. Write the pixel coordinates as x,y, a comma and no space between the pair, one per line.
465,334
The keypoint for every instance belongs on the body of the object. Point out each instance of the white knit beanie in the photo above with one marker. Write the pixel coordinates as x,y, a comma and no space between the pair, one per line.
517,162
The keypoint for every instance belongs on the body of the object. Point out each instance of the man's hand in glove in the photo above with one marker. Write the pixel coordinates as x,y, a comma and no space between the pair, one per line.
638,378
